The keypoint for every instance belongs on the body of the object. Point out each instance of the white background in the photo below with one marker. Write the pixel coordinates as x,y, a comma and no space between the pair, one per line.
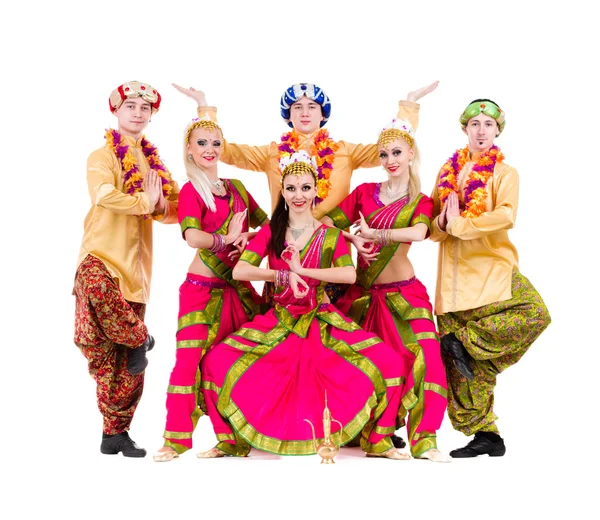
60,62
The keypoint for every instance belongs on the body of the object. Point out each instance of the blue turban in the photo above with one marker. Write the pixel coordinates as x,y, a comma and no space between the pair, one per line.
311,91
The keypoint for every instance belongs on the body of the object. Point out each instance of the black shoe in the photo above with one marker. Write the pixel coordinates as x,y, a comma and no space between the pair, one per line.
398,441
136,357
480,445
452,346
113,444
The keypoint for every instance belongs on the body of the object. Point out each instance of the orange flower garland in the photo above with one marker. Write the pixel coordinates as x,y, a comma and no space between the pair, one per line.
323,150
132,178
475,192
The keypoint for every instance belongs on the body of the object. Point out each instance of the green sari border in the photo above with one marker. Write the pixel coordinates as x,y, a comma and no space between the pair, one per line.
368,277
190,222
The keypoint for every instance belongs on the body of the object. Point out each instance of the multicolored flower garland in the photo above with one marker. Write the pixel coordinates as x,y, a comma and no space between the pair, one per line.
475,190
323,150
132,178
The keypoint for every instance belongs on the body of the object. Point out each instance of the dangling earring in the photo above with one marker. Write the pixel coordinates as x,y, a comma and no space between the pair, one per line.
285,205
410,163
190,157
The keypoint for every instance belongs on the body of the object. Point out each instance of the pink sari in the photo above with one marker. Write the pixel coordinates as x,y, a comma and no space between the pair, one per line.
399,313
263,381
210,308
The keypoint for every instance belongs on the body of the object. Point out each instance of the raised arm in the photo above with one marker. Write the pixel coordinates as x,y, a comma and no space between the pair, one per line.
365,156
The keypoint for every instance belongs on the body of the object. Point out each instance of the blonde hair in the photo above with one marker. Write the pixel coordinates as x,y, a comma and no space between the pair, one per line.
414,181
195,174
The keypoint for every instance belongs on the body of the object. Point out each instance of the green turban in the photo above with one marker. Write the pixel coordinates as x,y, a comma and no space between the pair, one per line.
483,106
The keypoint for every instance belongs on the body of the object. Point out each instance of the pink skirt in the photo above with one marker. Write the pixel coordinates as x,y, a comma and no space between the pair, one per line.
263,381
209,310
401,315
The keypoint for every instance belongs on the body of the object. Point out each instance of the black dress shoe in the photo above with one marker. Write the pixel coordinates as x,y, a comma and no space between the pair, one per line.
398,441
136,357
480,445
452,346
114,444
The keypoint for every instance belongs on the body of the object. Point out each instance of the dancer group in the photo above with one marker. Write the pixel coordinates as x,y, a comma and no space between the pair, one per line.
258,366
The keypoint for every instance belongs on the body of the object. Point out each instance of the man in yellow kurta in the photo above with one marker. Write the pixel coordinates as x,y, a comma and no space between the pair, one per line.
488,312
129,187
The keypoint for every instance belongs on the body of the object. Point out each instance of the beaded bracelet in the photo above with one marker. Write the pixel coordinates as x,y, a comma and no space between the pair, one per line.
219,243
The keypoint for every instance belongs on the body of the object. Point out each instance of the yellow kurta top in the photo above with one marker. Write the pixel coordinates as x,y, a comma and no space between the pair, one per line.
348,158
112,230
476,258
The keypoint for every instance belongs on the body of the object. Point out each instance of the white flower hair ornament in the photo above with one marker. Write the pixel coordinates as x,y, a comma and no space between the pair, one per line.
300,156
298,163
397,129
400,124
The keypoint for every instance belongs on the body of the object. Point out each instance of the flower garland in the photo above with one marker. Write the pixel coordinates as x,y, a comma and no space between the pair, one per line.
475,191
132,178
323,150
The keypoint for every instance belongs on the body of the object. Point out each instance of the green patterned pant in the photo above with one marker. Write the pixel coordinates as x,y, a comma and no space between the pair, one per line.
496,336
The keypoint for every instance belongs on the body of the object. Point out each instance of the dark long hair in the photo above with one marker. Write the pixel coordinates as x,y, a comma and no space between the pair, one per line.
279,222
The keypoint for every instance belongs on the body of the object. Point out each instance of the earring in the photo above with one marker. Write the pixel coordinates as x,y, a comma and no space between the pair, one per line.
410,163
190,157
285,206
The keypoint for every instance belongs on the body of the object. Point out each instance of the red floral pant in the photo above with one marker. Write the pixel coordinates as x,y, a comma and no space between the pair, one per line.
105,326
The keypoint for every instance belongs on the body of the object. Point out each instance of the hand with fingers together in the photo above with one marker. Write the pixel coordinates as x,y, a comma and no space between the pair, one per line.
152,186
452,208
197,95
415,95
236,224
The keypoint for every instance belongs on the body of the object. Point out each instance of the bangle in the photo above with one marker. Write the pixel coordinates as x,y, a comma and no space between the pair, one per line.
282,278
219,243
383,237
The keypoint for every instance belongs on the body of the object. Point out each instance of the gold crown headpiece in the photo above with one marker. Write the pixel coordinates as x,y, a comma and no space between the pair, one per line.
299,163
207,124
397,129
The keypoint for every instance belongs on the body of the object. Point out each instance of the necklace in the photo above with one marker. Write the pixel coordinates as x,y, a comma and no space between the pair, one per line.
298,232
395,194
475,188
217,184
